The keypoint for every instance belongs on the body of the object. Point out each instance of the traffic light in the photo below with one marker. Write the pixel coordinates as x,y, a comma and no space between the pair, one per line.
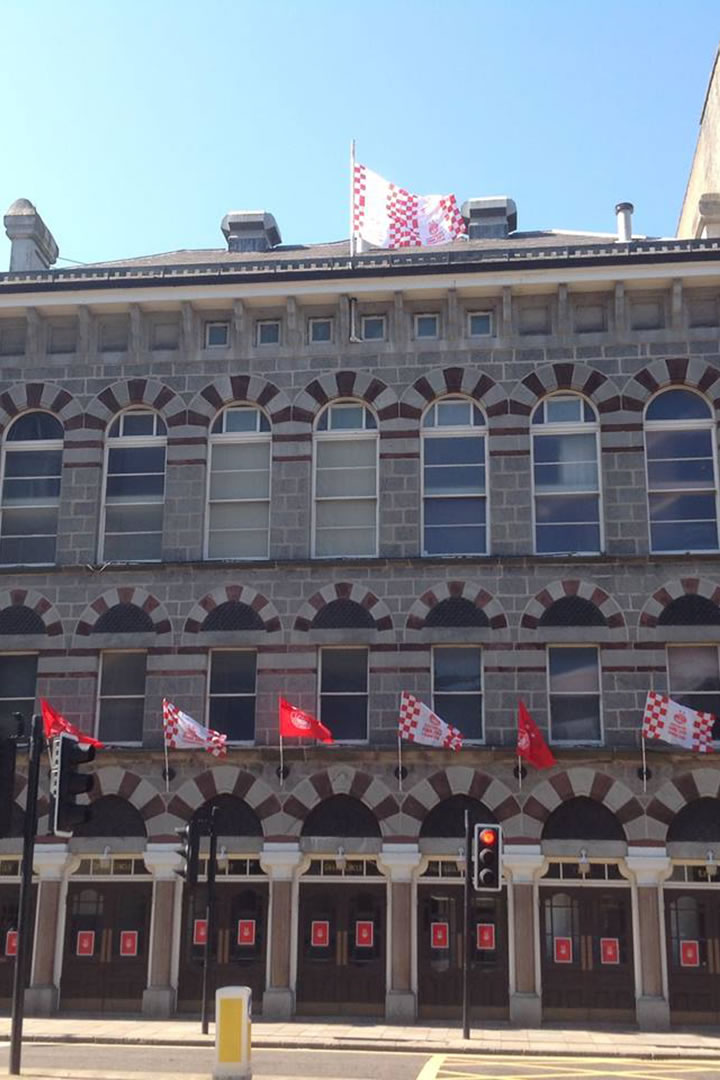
66,783
7,784
488,858
190,851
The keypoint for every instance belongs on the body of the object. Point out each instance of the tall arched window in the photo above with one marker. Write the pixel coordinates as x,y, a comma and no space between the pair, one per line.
346,449
134,488
238,514
31,471
566,476
454,479
681,472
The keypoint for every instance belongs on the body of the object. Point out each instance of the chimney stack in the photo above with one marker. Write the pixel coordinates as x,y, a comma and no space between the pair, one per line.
250,230
32,244
490,218
624,211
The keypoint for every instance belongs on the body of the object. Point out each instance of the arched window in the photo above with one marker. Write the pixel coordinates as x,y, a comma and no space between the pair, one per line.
681,472
31,470
238,513
566,476
134,488
346,448
454,479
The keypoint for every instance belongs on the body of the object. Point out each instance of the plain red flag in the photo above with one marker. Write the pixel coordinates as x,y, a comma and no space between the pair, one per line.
530,743
296,724
56,724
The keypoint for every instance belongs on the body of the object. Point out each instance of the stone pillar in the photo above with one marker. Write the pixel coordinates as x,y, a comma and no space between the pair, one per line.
398,862
649,868
282,862
162,860
522,865
52,862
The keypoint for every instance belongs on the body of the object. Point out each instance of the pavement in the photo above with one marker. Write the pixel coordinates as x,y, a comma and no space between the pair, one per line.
494,1038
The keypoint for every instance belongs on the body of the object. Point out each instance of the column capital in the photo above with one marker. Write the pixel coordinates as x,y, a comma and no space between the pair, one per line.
649,866
281,861
523,862
52,861
398,861
162,860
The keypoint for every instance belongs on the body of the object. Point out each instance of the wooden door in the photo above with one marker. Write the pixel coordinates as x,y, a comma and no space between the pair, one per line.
586,949
105,959
239,950
440,953
341,950
692,932
9,906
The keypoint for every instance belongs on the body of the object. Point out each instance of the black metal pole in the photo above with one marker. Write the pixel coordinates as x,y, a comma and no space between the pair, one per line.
25,919
467,943
209,922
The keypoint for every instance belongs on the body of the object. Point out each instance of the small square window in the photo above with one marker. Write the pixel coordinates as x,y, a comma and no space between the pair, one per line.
114,334
373,328
320,330
165,335
426,326
268,332
62,338
480,323
217,335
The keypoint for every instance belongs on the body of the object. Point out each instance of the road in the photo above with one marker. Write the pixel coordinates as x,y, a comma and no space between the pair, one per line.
74,1061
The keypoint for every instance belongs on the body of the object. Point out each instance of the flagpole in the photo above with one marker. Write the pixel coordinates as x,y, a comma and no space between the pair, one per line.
400,767
167,765
282,764
520,771
644,763
353,242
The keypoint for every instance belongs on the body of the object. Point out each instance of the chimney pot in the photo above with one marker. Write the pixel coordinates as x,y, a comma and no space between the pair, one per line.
624,212
492,217
250,230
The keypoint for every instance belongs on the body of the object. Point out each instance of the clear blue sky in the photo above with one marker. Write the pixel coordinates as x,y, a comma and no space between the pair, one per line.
134,125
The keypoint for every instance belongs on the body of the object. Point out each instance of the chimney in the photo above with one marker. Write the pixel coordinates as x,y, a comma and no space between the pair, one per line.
624,211
250,230
491,218
32,244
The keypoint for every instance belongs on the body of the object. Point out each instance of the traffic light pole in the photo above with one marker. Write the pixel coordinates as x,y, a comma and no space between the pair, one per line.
209,921
24,937
467,908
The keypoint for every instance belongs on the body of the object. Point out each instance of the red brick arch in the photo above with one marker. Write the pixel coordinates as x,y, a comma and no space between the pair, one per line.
345,384
124,595
343,780
471,382
239,389
672,590
344,590
241,594
128,392
579,378
467,590
694,373
47,397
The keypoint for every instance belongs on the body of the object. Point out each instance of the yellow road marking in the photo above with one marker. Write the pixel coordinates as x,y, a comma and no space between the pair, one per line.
456,1067
431,1068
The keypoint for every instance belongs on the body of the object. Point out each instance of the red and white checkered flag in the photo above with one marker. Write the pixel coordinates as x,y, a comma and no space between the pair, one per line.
419,724
184,733
665,719
388,216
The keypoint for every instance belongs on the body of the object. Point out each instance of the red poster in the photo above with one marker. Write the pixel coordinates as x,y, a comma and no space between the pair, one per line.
364,934
11,943
320,933
246,932
609,950
690,954
485,932
128,942
563,950
85,943
199,931
439,935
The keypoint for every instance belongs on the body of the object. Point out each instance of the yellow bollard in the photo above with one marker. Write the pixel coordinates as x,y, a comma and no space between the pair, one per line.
233,1016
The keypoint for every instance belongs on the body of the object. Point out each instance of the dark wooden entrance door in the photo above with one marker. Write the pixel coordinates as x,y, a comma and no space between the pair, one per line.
9,903
341,950
105,959
238,951
440,953
692,931
586,948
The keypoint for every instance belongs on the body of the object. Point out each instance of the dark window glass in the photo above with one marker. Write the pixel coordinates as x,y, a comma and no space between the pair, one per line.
122,697
232,693
343,692
18,675
457,688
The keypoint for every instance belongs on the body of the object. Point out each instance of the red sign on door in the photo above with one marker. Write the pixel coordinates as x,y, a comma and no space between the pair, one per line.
562,950
364,934
320,933
439,935
85,943
199,931
609,950
690,954
485,936
128,942
246,932
11,943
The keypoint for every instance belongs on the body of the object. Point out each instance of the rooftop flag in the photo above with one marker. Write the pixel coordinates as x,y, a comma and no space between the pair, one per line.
419,724
673,723
387,216
184,733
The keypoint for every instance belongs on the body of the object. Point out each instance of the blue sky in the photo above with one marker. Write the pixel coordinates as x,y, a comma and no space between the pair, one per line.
134,125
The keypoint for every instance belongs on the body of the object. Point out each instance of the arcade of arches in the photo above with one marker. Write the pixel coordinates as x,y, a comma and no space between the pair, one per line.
336,919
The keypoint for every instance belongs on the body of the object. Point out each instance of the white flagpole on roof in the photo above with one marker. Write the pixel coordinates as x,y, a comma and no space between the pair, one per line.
353,241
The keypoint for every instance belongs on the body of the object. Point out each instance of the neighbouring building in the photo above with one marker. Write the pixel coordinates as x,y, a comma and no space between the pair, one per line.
479,473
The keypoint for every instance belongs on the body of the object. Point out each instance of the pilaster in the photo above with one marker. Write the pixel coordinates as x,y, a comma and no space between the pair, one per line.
162,860
523,865
282,863
399,862
649,868
51,864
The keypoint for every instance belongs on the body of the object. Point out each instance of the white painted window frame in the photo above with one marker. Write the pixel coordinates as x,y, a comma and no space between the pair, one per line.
23,446
462,693
380,318
353,434
236,438
314,321
322,651
100,697
472,314
208,695
549,694
211,324
268,344
416,323
131,442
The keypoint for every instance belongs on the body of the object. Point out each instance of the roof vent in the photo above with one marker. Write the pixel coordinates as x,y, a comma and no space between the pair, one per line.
32,244
491,218
250,230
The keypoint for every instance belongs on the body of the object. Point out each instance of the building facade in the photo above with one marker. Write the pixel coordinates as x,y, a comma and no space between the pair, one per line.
481,473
